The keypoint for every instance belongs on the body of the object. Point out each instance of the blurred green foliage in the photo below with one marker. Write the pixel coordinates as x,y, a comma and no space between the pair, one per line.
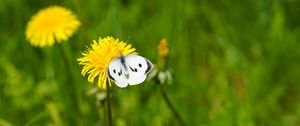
233,63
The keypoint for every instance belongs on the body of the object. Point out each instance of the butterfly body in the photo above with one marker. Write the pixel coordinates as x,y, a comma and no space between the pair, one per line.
129,70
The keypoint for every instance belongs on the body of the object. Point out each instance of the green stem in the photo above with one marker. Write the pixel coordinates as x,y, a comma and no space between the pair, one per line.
167,100
108,104
70,82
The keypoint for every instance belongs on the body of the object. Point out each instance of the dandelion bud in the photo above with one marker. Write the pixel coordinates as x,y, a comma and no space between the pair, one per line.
163,49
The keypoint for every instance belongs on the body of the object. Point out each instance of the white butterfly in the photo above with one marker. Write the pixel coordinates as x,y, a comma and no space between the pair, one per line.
131,69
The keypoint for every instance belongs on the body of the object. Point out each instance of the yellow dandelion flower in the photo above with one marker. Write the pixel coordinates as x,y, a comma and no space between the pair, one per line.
51,24
96,58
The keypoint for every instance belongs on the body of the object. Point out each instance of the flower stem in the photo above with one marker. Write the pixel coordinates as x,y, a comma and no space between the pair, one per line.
70,85
108,103
167,100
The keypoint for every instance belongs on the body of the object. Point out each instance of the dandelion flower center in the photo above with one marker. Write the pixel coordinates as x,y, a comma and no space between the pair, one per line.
96,58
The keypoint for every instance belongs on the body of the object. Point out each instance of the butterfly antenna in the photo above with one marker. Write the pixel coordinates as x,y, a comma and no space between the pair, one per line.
126,42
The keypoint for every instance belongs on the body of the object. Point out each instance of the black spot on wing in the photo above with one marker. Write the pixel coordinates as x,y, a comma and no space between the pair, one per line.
148,68
120,73
133,70
110,76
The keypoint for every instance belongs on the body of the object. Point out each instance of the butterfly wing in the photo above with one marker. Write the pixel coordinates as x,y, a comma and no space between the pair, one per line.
116,72
138,67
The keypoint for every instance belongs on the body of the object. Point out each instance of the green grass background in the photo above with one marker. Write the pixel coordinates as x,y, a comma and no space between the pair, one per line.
233,63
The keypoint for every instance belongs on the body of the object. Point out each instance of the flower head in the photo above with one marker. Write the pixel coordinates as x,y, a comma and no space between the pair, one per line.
163,53
161,73
51,24
96,58
163,49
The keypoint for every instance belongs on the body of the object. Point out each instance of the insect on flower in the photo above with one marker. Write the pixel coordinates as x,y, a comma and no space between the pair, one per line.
131,69
115,60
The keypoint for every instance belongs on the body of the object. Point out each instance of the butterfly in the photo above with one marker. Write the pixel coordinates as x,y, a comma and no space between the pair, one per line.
128,70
